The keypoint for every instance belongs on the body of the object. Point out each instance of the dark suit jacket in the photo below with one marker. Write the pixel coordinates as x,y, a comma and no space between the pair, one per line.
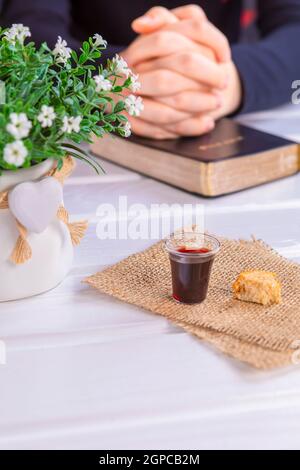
267,67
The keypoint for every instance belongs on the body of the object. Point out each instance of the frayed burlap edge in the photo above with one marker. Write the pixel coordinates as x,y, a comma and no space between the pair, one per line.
250,354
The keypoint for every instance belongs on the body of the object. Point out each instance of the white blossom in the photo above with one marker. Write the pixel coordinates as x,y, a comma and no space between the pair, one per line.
46,116
19,126
61,52
18,32
102,84
121,66
15,153
99,41
134,105
135,84
71,124
127,129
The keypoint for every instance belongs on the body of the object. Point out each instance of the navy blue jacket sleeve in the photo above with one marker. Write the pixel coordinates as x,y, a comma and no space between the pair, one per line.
47,19
269,66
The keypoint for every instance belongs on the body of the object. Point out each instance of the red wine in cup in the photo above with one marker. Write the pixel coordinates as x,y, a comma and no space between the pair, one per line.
191,256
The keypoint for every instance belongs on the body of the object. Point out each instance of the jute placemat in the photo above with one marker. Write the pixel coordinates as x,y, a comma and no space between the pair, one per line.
256,356
259,335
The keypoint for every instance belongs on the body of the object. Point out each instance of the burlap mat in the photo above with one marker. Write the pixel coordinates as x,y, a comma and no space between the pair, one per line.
261,336
256,356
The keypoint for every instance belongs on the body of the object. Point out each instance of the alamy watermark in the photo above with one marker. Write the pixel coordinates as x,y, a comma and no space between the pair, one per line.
296,93
2,353
138,221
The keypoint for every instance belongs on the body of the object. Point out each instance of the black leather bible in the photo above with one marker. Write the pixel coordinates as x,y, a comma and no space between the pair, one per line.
231,158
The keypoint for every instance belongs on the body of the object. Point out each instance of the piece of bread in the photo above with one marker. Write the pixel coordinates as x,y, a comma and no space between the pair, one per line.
260,287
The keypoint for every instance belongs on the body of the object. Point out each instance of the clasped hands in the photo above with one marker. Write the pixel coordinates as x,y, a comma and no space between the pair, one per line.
188,78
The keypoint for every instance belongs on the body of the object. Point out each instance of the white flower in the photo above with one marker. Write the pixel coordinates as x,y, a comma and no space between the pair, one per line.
134,105
135,84
102,83
121,66
61,52
15,153
46,116
19,126
71,124
127,129
99,41
18,32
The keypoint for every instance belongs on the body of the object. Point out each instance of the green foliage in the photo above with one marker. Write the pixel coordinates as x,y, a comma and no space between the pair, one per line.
31,77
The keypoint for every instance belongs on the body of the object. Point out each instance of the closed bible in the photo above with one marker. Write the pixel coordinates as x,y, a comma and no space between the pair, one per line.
231,158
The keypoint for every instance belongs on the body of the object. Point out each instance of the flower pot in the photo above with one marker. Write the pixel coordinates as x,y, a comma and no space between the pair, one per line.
52,250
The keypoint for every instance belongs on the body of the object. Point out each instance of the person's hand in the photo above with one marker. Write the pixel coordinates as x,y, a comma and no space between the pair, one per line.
190,21
191,101
169,82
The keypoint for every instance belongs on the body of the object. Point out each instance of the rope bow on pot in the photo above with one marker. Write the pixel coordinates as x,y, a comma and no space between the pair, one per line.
22,251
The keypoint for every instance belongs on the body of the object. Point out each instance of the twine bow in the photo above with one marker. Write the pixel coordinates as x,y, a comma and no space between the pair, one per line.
22,251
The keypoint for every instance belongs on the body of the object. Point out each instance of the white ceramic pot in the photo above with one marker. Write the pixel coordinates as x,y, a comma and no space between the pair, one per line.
52,250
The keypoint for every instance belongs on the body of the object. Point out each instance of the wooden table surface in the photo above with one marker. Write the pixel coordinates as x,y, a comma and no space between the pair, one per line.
85,371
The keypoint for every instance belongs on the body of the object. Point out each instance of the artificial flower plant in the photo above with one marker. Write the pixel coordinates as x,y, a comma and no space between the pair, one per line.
53,100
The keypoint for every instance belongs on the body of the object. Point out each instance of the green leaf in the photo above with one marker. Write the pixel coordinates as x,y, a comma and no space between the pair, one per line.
119,107
86,47
77,152
32,78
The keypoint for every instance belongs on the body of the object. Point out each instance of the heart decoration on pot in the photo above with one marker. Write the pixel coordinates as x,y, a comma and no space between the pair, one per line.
35,204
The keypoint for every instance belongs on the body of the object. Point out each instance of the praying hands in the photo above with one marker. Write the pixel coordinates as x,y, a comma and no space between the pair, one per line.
187,75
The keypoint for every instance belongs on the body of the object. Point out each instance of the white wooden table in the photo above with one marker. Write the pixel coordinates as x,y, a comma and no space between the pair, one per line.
86,371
